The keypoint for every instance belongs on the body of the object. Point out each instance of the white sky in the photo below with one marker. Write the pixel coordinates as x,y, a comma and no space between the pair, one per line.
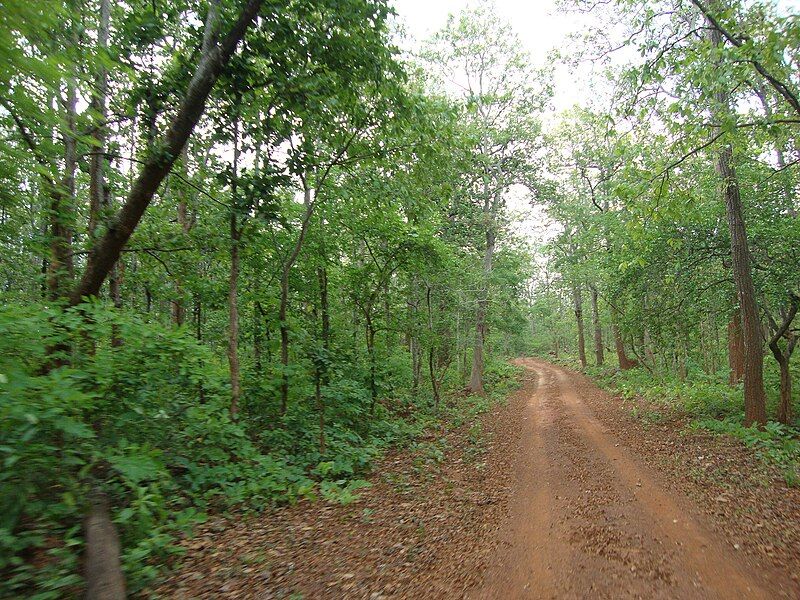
540,26
541,29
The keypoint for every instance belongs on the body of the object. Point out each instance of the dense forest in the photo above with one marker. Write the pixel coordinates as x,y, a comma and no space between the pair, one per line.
248,246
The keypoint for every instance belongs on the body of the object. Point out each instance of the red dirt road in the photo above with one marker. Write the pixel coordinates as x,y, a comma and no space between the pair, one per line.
590,520
562,496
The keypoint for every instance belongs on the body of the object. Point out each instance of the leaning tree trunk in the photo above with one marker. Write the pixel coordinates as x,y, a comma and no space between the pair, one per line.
598,332
107,251
754,397
578,302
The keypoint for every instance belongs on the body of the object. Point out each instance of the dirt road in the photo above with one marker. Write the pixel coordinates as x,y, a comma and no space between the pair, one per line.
590,520
562,496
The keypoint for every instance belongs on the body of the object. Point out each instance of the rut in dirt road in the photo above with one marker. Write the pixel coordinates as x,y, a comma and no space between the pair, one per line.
589,520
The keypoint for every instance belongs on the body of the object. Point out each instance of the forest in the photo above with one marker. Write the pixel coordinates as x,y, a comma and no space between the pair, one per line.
248,248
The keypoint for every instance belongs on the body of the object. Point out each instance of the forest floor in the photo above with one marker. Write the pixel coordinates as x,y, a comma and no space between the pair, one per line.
560,493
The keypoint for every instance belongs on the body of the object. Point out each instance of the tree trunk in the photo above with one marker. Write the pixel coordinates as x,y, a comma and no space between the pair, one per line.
476,377
735,349
97,191
578,301
282,311
62,204
431,351
322,276
258,318
785,405
104,579
373,385
233,319
598,332
754,397
625,363
784,358
178,306
233,288
106,252
284,330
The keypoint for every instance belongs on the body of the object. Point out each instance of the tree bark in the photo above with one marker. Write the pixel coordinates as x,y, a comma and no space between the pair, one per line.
432,351
233,286
735,349
373,384
754,396
784,357
212,63
625,363
62,204
99,98
104,579
322,276
476,376
578,303
598,332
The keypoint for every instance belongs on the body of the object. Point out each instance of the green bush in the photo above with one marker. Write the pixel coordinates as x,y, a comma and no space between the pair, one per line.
148,422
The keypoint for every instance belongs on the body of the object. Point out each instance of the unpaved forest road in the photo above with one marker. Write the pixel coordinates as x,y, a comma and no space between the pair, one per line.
590,520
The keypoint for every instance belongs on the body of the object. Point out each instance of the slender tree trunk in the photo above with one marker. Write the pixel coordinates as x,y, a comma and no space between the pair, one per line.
284,331
431,351
233,319
373,384
97,192
785,405
258,337
476,376
578,302
322,276
233,291
712,323
320,410
284,302
598,332
178,306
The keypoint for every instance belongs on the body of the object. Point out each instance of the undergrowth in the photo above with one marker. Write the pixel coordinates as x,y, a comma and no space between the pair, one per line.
164,448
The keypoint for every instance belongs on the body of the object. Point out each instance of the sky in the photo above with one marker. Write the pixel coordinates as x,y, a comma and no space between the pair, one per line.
540,27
